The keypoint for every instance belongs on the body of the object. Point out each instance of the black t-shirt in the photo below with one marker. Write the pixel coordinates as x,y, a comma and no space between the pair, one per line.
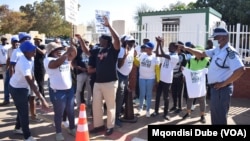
104,60
92,61
81,59
38,59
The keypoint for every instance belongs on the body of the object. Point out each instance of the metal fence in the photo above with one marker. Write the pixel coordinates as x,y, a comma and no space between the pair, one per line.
239,36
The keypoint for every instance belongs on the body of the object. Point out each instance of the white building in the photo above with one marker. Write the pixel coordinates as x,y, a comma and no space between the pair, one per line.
178,25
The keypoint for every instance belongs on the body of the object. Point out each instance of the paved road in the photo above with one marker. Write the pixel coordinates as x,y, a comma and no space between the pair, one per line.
239,115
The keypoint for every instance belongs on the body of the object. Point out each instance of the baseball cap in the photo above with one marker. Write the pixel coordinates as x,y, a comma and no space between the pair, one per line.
189,44
199,47
129,38
14,38
149,45
220,31
23,35
27,46
106,37
3,38
123,37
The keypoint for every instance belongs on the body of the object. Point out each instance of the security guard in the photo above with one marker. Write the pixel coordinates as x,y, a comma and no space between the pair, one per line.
225,68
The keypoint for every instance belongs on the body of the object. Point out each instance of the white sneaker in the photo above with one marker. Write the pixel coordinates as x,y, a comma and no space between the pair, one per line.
59,137
18,131
139,112
147,114
30,139
65,124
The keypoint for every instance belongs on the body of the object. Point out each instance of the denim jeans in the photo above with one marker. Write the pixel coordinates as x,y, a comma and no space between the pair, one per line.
219,104
20,98
146,89
63,100
6,86
122,85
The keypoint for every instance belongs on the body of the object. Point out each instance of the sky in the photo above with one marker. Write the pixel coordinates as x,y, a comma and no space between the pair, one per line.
119,9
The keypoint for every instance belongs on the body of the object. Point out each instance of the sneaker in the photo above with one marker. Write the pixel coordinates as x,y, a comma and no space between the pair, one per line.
109,131
172,109
145,103
177,111
147,114
187,115
192,108
166,117
18,131
154,114
5,103
97,129
59,137
30,139
37,120
72,132
118,123
203,120
139,112
65,124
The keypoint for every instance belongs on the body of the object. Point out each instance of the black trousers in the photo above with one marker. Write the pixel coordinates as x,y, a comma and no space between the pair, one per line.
176,88
39,77
162,88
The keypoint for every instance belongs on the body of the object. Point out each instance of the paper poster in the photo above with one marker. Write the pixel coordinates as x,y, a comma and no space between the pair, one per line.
71,11
100,28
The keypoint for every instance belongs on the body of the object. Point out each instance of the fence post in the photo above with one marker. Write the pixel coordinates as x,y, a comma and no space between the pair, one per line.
237,43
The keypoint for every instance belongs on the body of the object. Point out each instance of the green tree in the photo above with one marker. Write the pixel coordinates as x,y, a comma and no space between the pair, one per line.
12,22
48,18
233,11
141,9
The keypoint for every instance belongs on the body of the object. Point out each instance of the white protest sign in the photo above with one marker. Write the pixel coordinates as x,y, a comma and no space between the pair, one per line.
71,11
100,28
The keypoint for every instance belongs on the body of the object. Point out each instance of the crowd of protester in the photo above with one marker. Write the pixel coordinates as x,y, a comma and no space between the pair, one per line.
99,76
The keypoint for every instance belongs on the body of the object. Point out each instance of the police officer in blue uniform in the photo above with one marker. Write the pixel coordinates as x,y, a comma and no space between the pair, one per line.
225,68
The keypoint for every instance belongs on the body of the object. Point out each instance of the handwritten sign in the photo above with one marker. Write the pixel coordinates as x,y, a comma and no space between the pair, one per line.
71,11
100,28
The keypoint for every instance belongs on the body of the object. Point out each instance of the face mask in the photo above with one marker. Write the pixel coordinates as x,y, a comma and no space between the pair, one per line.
216,43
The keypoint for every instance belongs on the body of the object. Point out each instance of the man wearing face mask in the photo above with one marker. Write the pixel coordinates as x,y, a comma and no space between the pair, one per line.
225,68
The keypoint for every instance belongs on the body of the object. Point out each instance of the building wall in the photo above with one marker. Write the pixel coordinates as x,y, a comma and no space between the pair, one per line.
198,21
119,26
195,22
151,24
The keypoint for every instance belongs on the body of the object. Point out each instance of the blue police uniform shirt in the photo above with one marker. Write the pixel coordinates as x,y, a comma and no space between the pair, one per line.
222,67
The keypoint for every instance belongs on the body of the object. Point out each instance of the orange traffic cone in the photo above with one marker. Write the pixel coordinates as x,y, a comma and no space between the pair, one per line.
82,133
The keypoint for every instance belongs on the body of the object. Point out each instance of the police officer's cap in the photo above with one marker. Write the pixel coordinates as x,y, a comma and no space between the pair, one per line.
220,31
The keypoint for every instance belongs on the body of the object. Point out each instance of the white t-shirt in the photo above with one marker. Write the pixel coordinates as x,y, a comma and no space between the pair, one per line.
16,54
9,53
3,53
22,68
167,68
147,65
60,78
138,50
128,63
196,82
